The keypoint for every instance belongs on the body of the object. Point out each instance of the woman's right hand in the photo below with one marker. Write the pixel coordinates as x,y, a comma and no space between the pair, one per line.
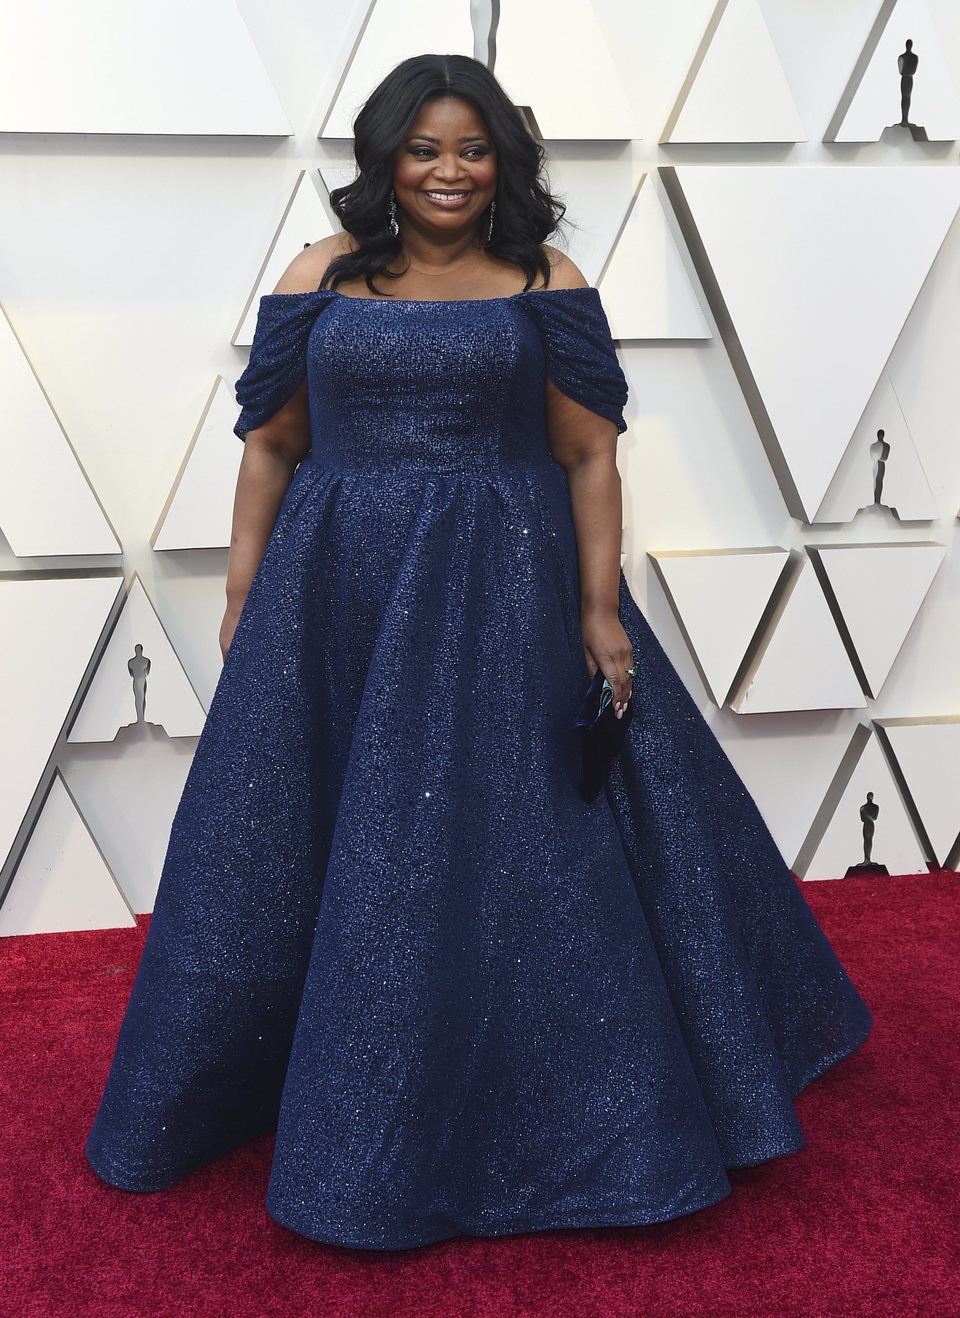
228,627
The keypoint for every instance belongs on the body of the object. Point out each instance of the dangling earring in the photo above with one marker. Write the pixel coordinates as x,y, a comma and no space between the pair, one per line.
493,207
392,224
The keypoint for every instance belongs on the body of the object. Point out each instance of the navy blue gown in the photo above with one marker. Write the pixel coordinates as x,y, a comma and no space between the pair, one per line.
388,927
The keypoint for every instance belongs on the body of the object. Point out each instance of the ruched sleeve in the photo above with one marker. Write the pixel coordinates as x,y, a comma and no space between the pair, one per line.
581,357
278,355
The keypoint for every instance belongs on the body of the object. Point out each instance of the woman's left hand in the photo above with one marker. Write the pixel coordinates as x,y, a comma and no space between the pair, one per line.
607,646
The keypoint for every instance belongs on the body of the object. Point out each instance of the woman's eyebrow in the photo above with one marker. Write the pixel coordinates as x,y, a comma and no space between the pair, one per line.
477,137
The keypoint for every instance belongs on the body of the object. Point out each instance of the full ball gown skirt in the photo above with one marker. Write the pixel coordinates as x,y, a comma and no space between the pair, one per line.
388,927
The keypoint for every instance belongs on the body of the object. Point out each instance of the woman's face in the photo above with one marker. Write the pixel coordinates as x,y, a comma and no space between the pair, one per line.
448,151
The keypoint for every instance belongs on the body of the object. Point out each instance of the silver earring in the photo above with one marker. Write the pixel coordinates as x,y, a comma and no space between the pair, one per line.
392,224
493,207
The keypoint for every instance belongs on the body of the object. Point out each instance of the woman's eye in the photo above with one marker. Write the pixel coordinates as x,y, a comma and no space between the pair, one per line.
417,150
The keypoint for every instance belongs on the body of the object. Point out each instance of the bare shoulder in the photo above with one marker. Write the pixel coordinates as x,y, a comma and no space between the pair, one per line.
564,273
306,270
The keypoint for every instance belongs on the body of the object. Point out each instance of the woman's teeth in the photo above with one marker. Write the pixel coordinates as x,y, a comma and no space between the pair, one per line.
447,198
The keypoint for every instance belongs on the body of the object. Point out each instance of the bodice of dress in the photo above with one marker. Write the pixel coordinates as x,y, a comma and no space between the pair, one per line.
440,386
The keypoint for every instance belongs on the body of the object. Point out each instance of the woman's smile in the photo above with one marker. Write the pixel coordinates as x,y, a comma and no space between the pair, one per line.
448,199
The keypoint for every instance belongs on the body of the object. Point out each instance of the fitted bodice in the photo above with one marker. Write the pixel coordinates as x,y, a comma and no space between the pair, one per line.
441,386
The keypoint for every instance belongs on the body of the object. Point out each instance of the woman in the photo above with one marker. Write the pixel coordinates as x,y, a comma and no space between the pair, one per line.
389,926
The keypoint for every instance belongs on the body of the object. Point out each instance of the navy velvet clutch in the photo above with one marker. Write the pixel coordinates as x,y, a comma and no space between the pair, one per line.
601,734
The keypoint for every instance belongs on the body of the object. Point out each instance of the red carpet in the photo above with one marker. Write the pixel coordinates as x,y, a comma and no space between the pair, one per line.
861,1222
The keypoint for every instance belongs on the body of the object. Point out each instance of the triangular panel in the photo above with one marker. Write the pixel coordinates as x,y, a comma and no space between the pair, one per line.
801,662
121,68
877,591
881,467
47,504
199,510
646,290
63,881
393,31
809,332
57,622
598,194
736,90
902,85
303,222
572,87
138,679
718,599
836,841
924,750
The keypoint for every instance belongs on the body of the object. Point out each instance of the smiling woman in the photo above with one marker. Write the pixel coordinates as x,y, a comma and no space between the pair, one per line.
448,160
452,165
469,997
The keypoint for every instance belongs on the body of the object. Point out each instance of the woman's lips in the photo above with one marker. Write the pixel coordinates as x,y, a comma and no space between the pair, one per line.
449,203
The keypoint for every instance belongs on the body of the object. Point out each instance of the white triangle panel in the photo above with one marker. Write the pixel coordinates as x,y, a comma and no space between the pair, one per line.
57,622
117,67
926,749
719,598
861,240
736,90
199,510
63,881
304,222
802,662
598,194
894,843
646,289
872,103
394,31
572,86
110,702
47,505
879,590
880,470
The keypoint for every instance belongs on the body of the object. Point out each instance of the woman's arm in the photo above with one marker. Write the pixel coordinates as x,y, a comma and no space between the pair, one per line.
271,455
585,444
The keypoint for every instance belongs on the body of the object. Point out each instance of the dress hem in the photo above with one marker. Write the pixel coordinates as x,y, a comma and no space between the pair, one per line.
517,1227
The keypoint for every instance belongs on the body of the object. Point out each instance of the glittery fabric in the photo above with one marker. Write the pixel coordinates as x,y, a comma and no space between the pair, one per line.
388,926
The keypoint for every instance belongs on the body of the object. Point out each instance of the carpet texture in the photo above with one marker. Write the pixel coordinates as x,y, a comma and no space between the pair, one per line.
863,1221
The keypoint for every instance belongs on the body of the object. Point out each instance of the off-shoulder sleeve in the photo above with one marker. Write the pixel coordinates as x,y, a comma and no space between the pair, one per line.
278,355
581,357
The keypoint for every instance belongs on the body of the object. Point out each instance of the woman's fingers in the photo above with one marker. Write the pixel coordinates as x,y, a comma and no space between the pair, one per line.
615,668
615,671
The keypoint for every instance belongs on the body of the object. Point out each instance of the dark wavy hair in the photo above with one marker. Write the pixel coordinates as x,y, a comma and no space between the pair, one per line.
526,213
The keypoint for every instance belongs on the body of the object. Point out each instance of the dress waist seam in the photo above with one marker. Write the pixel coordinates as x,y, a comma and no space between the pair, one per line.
402,472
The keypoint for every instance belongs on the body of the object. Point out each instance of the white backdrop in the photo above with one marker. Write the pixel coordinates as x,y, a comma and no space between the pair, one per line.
128,255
